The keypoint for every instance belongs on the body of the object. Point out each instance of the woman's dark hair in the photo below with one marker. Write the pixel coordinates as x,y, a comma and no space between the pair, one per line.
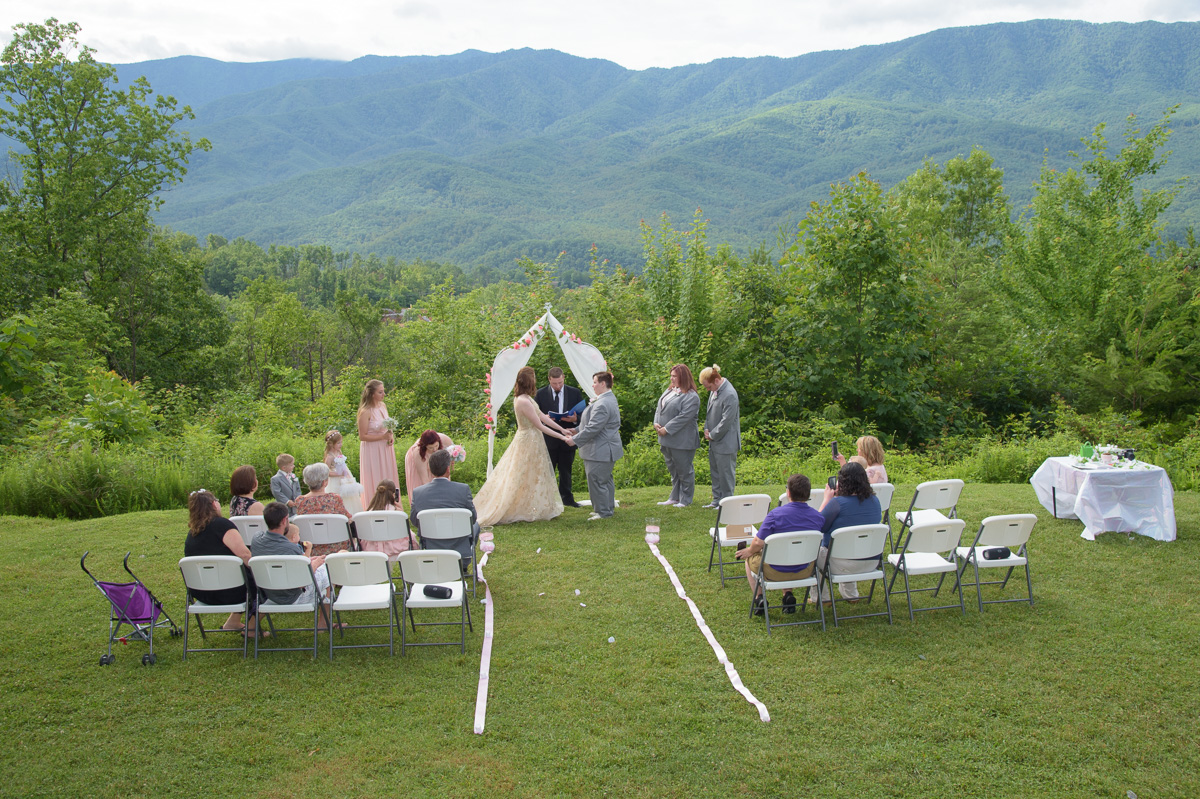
242,481
385,494
683,376
852,482
427,438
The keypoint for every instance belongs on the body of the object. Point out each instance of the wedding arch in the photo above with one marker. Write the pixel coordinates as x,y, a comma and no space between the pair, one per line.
583,361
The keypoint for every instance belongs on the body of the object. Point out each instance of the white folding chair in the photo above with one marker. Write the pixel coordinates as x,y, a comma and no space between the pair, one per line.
860,542
427,568
324,528
921,553
286,573
249,526
883,493
1011,531
213,573
362,581
789,549
440,524
928,502
383,525
740,516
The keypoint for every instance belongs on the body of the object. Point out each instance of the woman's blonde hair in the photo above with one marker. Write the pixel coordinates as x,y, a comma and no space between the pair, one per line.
332,439
368,392
709,372
870,448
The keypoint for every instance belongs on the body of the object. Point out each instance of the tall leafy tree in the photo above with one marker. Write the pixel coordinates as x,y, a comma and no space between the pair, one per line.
854,327
89,161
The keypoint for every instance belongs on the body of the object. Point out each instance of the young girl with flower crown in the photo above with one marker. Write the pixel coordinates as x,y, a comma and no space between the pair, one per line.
341,479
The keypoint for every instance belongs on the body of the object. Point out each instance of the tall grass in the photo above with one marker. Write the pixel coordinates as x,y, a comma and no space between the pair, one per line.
93,481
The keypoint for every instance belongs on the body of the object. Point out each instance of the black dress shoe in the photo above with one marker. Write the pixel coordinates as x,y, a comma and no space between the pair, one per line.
572,505
759,606
789,603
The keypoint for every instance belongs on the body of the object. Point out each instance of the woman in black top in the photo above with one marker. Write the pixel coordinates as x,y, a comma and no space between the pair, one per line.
210,533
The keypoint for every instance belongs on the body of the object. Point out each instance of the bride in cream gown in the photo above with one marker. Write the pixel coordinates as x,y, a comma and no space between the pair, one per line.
522,487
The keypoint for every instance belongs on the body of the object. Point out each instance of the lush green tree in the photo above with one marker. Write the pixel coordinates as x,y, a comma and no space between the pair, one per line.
853,331
89,161
1088,280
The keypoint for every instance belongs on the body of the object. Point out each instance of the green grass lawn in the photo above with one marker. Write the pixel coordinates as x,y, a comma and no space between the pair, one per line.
1092,692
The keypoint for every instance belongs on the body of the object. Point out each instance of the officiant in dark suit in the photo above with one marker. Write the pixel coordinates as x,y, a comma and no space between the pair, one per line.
557,398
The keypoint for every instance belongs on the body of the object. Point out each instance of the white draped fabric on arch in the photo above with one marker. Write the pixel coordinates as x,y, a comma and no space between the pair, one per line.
583,361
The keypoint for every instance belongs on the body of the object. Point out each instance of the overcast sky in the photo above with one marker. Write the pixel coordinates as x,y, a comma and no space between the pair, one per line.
634,33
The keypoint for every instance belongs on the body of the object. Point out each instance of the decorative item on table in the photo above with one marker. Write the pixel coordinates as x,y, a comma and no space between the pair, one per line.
1129,455
457,452
1086,451
1108,454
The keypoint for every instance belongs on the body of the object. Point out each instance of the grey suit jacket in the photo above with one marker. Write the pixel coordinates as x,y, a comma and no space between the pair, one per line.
599,435
723,420
679,414
285,487
441,493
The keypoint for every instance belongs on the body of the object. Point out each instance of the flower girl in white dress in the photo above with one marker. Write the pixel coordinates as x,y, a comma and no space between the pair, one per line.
341,479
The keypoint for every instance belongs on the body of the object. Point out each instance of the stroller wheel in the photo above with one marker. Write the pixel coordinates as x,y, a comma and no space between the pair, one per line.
107,660
149,659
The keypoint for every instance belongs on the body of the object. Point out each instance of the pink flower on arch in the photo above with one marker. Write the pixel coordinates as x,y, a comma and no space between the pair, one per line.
487,427
487,391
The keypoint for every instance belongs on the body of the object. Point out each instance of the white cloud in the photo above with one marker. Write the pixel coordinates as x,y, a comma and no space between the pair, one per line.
635,33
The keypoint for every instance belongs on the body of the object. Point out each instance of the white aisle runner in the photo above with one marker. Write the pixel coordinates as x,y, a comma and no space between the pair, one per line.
485,658
730,671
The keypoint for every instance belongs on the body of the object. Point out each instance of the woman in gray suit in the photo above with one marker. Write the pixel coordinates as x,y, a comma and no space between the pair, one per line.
675,421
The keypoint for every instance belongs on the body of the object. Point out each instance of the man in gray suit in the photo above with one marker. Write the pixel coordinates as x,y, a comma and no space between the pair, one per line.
599,442
441,492
723,429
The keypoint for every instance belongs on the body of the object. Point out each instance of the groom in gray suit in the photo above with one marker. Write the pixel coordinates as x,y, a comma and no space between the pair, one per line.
599,442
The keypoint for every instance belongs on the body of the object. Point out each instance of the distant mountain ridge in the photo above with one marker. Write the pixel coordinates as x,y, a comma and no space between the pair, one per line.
478,158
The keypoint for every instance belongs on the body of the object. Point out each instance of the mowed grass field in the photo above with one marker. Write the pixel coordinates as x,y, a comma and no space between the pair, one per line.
1092,692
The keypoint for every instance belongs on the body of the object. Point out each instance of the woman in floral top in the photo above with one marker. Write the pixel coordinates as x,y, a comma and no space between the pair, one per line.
318,500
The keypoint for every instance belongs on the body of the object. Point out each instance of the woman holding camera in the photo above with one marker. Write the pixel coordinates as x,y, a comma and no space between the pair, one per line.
851,503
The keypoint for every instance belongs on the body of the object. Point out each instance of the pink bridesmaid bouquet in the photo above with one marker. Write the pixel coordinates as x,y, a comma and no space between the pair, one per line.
457,452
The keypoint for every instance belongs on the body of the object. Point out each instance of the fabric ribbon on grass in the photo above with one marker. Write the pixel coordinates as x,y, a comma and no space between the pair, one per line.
485,658
722,658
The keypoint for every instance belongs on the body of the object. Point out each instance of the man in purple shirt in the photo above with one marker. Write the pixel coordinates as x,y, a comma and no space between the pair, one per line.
794,516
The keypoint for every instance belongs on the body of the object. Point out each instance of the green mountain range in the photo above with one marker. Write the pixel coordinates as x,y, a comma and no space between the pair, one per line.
479,158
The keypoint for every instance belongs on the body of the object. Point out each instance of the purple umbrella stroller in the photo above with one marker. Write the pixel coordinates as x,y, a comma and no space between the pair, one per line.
131,604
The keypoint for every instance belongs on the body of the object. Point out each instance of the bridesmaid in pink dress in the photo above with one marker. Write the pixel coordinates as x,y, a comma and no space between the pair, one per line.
416,460
376,447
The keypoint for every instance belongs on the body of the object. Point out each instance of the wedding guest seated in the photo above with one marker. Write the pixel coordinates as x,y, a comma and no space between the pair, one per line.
274,541
284,485
318,500
794,516
852,503
387,497
210,533
416,460
871,451
242,485
441,492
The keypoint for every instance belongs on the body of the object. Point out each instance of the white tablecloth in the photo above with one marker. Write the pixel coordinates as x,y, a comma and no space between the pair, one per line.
1139,500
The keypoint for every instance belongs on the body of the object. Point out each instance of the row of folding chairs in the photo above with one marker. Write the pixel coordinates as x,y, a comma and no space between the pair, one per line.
929,542
358,580
437,524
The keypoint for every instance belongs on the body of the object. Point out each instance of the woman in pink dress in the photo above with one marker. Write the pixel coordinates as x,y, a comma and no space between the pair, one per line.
376,444
416,460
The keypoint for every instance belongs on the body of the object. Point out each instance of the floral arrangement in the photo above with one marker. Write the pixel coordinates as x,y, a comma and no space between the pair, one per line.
457,452
390,424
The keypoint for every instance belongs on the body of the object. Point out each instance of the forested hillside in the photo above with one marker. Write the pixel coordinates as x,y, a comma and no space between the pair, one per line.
972,331
478,158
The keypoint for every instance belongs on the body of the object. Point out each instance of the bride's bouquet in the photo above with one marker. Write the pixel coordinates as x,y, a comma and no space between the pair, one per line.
457,452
